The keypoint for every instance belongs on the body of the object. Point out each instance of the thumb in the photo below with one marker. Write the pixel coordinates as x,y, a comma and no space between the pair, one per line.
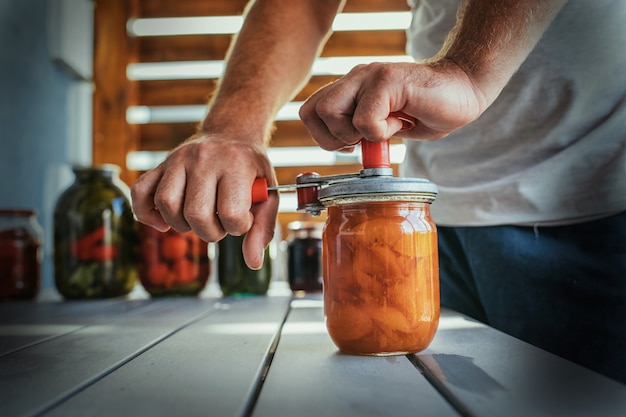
261,233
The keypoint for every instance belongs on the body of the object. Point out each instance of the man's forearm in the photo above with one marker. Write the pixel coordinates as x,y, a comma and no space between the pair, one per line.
493,37
270,60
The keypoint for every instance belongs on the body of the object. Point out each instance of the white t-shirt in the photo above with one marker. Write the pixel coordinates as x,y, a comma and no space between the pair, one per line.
552,148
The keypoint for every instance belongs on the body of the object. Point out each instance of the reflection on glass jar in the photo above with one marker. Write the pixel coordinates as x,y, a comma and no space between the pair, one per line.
380,261
234,276
21,254
95,236
304,256
172,263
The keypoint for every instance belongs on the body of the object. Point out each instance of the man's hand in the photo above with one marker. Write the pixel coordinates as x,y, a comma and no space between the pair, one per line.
205,185
439,95
488,43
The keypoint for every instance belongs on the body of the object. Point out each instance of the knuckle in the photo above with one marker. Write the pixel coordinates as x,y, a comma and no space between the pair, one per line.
194,216
180,228
164,203
326,109
234,222
305,112
210,235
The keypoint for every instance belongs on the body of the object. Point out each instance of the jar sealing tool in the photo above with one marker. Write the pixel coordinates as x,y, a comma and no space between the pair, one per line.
376,163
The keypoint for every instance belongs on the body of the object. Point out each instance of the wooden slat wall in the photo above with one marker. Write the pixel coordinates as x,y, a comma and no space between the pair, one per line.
113,137
114,49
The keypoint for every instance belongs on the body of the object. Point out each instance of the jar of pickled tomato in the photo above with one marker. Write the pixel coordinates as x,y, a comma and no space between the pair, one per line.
172,263
380,265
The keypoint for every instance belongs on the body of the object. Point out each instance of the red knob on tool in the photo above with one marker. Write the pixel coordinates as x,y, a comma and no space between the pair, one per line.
376,154
307,195
259,190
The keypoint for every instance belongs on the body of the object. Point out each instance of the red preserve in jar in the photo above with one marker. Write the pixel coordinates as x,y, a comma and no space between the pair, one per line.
20,254
380,260
304,256
172,263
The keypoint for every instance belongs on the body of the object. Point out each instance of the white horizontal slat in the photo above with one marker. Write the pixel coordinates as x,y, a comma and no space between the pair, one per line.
184,70
192,113
215,25
293,156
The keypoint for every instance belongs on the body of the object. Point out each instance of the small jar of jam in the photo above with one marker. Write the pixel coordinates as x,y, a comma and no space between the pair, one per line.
172,263
304,256
20,254
380,264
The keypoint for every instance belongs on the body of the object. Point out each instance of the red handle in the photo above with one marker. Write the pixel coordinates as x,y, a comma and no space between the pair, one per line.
307,195
376,154
259,190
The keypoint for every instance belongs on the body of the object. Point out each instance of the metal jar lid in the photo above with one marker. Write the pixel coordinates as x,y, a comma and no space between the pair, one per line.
381,188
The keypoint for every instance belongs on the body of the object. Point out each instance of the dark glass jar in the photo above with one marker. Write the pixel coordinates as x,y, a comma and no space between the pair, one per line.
172,263
21,254
381,274
234,276
304,256
95,238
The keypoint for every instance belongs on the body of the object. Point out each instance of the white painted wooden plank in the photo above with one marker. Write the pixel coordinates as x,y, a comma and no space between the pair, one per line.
210,368
493,374
32,379
309,377
24,324
14,312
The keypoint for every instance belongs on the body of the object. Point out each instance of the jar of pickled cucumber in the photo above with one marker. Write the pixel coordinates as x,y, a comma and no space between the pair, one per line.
172,263
234,276
95,237
21,254
380,265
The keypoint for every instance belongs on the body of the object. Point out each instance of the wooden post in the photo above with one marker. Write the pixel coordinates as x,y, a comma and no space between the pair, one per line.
113,137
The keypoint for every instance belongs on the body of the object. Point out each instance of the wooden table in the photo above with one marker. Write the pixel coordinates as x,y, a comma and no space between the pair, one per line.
269,356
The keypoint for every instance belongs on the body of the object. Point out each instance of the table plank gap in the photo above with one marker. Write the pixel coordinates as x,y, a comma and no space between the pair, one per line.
38,323
97,377
249,409
310,377
453,400
87,383
210,368
34,378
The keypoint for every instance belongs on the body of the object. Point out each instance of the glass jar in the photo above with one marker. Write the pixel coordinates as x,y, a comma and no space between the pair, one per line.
21,254
380,260
95,237
234,276
304,256
172,263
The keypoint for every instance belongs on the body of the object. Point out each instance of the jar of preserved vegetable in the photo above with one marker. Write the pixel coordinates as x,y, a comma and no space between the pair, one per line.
304,256
95,238
380,261
21,254
234,276
172,263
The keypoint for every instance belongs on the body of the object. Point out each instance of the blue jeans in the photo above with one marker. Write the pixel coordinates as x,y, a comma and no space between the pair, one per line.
561,288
